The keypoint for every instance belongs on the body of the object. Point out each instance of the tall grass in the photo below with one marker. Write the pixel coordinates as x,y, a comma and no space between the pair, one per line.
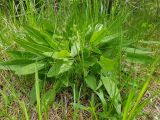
11,91
79,46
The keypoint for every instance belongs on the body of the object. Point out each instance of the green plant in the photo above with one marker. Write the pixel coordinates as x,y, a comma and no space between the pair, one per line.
86,61
73,47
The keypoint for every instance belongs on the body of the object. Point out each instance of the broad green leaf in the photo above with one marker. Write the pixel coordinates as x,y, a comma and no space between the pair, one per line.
29,39
41,48
113,92
48,54
107,64
108,39
91,82
75,49
65,81
9,67
33,92
37,93
98,27
22,67
138,58
150,42
89,33
96,50
17,62
30,68
136,51
61,54
14,64
59,67
33,48
101,96
41,37
34,33
86,52
97,37
99,85
21,54
51,40
90,61
49,96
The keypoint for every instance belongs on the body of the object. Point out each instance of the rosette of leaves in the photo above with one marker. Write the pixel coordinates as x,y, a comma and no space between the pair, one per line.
88,57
